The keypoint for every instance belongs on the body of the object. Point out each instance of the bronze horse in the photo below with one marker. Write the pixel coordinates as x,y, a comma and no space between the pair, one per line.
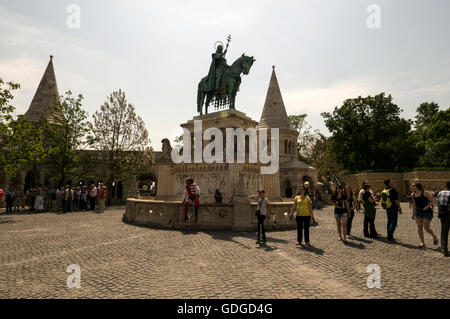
226,94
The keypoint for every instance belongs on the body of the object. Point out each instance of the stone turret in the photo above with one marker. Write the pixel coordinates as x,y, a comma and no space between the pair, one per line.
44,98
274,113
274,116
292,171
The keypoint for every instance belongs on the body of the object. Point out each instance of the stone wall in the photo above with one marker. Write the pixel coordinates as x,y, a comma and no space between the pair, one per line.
212,216
402,181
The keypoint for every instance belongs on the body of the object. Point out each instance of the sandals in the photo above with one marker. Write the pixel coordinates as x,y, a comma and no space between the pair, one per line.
421,245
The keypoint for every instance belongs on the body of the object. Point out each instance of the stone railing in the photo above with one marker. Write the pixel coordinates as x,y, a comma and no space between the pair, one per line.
211,216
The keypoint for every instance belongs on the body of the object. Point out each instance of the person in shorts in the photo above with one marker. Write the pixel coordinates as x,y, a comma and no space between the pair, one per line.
341,209
422,213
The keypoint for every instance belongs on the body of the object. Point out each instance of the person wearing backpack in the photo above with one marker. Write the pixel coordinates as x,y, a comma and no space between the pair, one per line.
390,202
442,201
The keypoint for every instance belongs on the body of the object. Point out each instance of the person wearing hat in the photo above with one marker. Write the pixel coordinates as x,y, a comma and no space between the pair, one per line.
262,209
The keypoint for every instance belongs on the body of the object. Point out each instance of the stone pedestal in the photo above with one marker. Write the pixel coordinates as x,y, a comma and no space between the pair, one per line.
242,213
132,189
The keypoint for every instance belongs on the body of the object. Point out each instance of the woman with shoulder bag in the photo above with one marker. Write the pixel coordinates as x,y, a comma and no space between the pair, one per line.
303,208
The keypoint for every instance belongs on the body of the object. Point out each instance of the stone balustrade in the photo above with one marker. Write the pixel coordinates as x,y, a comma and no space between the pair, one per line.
212,216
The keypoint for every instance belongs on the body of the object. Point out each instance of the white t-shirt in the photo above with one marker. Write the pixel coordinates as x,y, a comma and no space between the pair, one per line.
186,194
262,205
361,192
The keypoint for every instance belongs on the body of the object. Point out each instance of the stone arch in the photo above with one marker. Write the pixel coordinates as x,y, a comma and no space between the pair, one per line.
147,184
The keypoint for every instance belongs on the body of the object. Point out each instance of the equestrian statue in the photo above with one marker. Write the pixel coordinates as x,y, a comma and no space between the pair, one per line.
220,86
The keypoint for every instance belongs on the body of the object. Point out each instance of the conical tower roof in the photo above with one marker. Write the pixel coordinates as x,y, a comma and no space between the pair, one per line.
44,98
274,113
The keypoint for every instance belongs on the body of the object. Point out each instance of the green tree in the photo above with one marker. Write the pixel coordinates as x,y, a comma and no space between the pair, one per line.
436,141
24,145
425,112
64,131
121,137
20,143
306,137
324,159
369,134
6,116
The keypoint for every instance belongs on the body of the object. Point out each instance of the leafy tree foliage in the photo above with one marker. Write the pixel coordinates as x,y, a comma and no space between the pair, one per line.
436,140
121,137
425,112
20,143
369,134
306,137
64,134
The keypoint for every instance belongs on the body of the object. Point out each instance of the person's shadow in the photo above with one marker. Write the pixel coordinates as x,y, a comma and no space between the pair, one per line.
362,239
312,249
355,245
266,247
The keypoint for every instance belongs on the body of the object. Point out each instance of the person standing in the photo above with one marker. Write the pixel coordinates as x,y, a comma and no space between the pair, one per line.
391,203
18,199
9,201
2,196
39,201
351,208
92,196
341,209
369,210
191,197
68,197
83,198
303,207
101,198
442,201
49,199
422,213
262,209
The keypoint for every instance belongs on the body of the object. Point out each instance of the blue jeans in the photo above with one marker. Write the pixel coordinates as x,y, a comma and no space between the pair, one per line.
392,218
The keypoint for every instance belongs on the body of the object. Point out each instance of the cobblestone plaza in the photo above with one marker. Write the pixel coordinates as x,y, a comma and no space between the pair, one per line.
118,260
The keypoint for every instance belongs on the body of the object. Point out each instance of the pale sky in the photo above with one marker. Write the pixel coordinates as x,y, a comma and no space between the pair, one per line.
157,52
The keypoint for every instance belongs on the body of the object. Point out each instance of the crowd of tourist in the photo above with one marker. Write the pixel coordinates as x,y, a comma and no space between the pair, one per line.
346,202
64,199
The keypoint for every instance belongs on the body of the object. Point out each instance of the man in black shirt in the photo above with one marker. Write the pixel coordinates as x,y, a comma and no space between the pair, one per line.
393,209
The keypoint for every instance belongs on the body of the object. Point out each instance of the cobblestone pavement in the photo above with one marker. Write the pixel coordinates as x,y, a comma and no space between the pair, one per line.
125,261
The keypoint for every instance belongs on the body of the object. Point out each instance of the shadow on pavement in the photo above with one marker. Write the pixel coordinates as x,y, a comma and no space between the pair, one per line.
266,247
362,240
355,245
313,249
7,220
